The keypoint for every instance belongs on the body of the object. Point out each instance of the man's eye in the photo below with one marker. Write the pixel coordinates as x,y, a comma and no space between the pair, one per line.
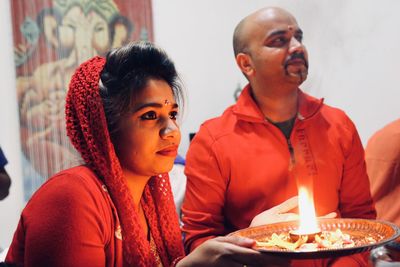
279,42
173,115
299,38
151,115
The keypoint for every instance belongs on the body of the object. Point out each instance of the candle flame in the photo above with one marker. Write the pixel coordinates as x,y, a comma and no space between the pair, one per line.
308,219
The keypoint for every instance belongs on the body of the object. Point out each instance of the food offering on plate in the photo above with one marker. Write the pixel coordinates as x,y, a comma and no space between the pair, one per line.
322,240
337,237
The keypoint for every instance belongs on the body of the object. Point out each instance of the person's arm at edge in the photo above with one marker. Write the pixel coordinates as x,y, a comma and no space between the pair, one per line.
5,180
5,183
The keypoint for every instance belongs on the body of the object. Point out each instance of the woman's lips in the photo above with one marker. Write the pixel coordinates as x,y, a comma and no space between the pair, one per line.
171,151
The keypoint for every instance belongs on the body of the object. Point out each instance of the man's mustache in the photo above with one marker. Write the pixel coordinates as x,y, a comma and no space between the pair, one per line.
297,56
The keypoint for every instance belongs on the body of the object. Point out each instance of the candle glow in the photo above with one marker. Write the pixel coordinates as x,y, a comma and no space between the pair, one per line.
308,220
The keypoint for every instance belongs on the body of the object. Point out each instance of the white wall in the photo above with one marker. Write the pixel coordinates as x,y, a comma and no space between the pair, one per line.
352,44
354,64
11,207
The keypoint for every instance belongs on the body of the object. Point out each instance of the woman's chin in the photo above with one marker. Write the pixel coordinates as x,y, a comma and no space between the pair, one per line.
165,167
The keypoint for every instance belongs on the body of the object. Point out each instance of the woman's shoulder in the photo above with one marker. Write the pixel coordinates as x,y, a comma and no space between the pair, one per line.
76,177
77,180
69,218
71,190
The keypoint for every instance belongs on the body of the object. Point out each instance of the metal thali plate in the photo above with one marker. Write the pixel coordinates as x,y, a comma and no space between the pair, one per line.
381,231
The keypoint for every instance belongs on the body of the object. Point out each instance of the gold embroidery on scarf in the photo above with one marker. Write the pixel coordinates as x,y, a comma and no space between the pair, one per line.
118,232
153,249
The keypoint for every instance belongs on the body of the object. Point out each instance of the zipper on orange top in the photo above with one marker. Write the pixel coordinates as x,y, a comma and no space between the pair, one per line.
289,143
291,151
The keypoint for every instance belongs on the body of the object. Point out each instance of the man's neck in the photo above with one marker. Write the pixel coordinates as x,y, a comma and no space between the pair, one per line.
278,104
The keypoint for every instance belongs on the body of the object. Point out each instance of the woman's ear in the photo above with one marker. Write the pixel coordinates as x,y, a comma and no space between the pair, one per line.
244,62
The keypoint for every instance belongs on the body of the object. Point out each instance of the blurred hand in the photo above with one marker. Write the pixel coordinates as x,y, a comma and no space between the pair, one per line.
329,215
280,213
230,251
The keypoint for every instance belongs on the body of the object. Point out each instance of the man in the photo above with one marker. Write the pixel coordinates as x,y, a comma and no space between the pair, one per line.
5,181
273,139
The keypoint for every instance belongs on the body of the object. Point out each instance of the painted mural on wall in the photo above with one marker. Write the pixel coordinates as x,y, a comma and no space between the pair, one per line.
51,38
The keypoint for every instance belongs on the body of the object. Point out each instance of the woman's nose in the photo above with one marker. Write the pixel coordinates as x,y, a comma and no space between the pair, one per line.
170,130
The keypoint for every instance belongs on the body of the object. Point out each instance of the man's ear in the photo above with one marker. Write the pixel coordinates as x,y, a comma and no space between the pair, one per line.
244,62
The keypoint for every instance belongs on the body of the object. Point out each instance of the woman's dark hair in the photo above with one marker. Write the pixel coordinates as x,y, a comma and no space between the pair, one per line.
127,71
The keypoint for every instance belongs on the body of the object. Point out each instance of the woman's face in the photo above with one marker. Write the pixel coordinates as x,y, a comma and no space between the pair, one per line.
148,141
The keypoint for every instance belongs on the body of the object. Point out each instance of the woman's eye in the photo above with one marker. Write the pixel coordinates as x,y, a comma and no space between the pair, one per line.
151,115
173,115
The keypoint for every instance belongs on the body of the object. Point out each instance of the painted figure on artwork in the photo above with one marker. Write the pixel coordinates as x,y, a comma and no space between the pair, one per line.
63,35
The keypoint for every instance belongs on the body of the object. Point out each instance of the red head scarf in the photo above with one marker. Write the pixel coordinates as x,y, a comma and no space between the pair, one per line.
87,129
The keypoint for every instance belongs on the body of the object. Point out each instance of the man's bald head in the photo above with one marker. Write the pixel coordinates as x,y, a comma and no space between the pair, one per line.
246,26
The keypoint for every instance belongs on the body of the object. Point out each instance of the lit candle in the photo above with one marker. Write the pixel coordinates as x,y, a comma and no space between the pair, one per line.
308,221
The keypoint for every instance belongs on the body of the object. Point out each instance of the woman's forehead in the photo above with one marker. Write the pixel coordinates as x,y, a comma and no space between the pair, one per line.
155,91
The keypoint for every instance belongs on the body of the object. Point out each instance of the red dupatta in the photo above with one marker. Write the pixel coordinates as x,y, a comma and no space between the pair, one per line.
87,130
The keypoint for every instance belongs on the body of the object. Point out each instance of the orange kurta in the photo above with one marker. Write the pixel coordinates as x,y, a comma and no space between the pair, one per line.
239,165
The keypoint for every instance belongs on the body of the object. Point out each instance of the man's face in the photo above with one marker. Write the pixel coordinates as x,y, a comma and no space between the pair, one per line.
149,136
275,48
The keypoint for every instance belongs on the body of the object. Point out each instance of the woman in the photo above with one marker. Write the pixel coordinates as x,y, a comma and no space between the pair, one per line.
117,209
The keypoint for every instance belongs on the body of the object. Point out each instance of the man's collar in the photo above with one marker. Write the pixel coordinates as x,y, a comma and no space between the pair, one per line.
247,109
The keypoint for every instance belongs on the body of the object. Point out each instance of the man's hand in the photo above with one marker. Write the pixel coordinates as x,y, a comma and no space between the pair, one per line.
280,213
